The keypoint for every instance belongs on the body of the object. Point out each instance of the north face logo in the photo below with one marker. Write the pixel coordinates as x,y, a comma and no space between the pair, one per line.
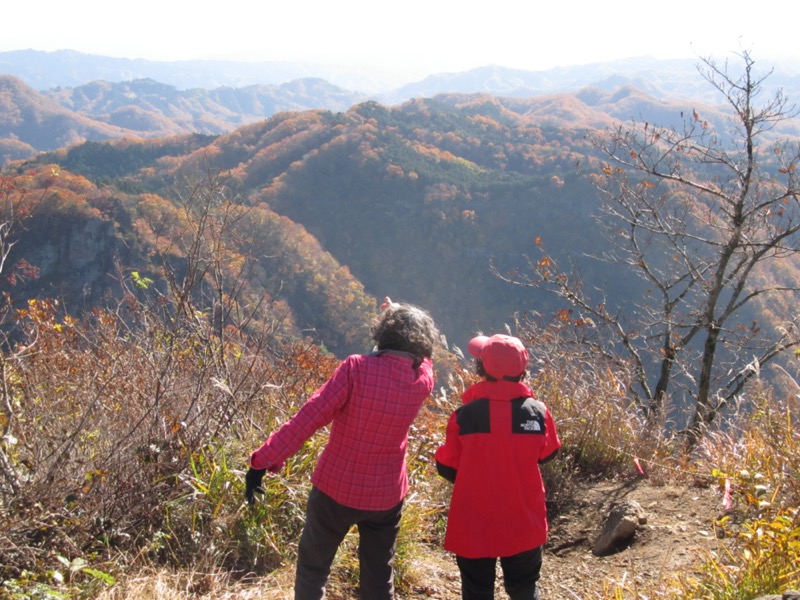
528,416
530,426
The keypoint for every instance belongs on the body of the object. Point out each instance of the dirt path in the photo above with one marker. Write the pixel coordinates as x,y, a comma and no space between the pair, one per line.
679,532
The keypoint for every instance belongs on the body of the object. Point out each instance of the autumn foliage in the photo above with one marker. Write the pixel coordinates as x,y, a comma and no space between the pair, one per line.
167,303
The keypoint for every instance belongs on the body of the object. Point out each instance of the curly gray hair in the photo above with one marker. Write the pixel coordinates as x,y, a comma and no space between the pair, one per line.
406,328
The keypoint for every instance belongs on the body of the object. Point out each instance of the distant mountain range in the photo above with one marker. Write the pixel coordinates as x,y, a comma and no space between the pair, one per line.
50,100
661,78
32,121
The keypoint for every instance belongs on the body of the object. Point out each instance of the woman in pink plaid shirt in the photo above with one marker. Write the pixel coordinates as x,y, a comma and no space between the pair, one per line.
360,478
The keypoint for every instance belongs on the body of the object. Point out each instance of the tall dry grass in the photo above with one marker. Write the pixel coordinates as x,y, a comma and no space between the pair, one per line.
124,477
756,458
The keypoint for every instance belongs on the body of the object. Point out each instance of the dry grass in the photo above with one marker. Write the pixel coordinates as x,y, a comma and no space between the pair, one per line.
161,515
167,585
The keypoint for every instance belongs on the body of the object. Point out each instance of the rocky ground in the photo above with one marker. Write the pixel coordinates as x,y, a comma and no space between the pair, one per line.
679,532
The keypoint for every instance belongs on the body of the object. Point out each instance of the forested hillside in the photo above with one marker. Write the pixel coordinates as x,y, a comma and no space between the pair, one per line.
416,201
82,242
420,201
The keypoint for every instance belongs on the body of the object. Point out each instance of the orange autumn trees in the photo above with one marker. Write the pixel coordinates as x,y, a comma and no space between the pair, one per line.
85,240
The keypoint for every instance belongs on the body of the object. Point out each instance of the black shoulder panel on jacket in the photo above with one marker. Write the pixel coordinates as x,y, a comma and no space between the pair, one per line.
527,416
474,417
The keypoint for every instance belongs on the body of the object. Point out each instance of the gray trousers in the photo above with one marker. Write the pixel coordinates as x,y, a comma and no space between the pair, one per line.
327,522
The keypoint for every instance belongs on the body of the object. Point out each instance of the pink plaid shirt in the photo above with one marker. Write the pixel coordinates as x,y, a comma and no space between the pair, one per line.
371,401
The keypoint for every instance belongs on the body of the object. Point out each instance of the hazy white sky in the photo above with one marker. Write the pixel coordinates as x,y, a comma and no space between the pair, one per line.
417,36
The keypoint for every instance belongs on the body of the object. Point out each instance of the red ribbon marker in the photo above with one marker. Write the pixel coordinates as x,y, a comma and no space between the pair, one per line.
727,502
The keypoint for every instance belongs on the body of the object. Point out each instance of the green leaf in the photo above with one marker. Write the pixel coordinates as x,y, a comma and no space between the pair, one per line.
104,577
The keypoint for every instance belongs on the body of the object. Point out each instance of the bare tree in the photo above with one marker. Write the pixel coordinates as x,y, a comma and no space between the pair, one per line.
708,216
205,277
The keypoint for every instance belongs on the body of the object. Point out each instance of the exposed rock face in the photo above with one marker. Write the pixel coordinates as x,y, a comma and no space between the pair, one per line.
619,527
74,258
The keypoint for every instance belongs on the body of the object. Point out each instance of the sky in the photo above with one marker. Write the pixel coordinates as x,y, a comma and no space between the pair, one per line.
418,37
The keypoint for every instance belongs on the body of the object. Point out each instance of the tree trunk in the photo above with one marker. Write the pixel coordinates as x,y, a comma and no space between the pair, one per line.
704,413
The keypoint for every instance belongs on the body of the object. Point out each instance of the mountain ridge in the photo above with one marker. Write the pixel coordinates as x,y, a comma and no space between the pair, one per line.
32,121
660,77
111,98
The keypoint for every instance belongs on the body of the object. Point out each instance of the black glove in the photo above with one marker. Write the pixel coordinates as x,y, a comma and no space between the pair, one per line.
252,484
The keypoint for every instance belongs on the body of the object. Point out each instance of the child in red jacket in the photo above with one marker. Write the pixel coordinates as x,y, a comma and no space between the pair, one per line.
494,445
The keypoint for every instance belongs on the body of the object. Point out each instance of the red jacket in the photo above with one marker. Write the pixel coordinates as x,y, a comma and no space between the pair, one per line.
492,452
371,401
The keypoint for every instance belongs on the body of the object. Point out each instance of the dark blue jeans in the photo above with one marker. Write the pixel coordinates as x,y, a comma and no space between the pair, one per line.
327,522
520,574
